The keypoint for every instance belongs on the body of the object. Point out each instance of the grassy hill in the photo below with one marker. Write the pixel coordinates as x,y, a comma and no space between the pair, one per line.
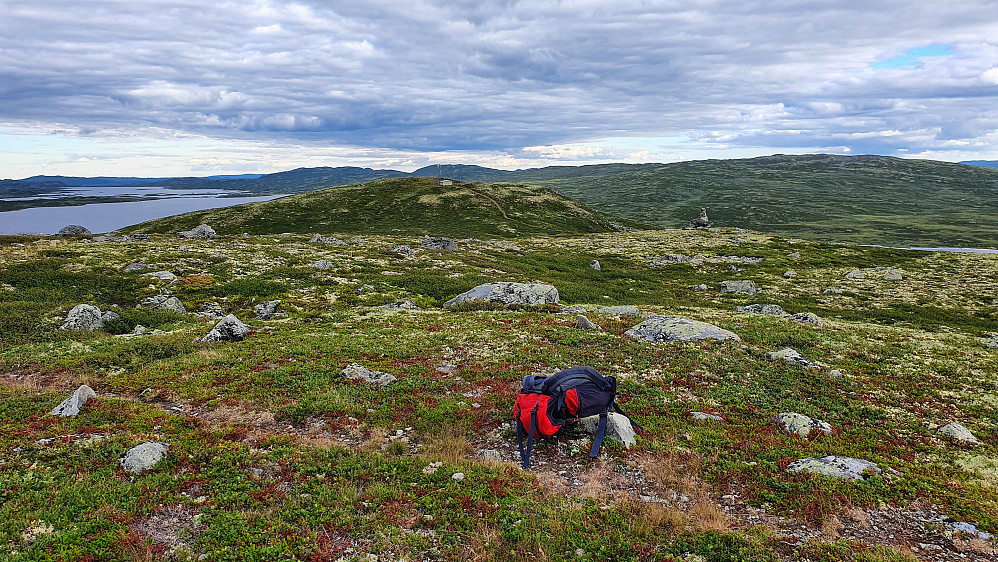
860,199
408,205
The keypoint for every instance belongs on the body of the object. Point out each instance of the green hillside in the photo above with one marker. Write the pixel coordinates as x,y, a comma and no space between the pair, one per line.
860,199
405,205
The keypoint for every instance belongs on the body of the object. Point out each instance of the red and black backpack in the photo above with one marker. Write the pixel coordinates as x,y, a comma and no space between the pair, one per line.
546,404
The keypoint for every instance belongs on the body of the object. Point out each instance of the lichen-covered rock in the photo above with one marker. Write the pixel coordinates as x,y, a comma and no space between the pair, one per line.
201,232
832,292
439,243
211,310
957,431
331,240
322,265
268,310
835,467
74,230
991,343
768,309
109,316
595,265
229,328
666,328
703,416
806,318
738,287
790,274
403,250
163,302
583,323
799,424
70,407
144,456
359,372
138,266
83,317
790,355
400,305
162,275
508,293
855,274
893,275
618,428
622,310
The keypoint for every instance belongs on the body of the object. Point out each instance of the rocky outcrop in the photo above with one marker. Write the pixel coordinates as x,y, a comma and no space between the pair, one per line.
229,328
331,240
163,302
666,328
959,432
835,467
404,250
268,310
618,428
71,406
508,293
799,424
361,373
768,309
83,317
144,456
323,265
201,232
74,230
738,287
439,243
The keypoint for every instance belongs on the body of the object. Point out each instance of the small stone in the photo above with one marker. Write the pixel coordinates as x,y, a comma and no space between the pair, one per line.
70,407
618,428
332,240
359,372
703,416
400,305
665,328
793,255
143,457
835,373
855,274
162,275
789,274
595,265
700,222
458,476
403,250
229,328
700,287
163,302
728,499
832,292
83,317
268,310
738,287
959,432
991,343
806,318
139,330
583,323
137,266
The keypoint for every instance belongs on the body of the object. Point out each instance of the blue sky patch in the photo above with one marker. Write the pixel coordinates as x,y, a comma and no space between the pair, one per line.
912,58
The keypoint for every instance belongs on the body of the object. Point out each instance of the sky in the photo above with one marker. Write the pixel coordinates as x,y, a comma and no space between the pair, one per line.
196,87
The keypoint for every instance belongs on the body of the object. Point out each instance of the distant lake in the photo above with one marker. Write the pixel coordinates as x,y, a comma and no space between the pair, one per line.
107,217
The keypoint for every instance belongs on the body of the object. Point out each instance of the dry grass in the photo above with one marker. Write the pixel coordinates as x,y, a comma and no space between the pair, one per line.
832,527
450,445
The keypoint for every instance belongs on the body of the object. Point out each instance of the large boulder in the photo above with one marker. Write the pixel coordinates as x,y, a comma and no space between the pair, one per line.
201,232
163,302
439,243
144,456
799,424
83,317
666,328
835,467
228,329
618,428
74,230
71,406
769,309
508,293
959,432
362,373
738,287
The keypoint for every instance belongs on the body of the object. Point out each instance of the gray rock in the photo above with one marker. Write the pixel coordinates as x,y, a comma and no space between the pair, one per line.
832,292
583,323
700,287
403,250
703,416
576,309
163,275
83,317
365,288
138,266
140,330
400,305
211,310
738,287
74,230
737,241
835,467
359,372
618,428
144,456
806,318
700,222
163,302
855,274
768,309
267,310
71,406
201,232
675,258
893,275
595,265
109,316
790,355
228,329
957,431
357,240
835,373
802,425
971,530
991,343
508,293
666,328
332,240
793,255
439,243
790,274
140,237
622,310
324,265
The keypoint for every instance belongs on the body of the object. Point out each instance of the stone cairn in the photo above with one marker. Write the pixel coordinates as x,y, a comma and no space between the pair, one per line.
701,221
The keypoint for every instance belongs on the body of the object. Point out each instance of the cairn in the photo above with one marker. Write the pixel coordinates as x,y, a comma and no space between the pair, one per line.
701,221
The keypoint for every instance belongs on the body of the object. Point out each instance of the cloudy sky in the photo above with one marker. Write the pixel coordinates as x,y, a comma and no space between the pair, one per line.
196,87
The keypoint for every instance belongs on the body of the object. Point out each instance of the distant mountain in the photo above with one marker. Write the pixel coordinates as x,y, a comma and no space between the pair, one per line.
985,163
72,181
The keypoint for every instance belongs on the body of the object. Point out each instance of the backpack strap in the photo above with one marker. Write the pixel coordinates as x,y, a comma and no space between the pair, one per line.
525,457
617,409
600,431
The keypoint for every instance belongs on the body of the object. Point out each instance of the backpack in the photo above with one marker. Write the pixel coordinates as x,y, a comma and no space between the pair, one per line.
546,404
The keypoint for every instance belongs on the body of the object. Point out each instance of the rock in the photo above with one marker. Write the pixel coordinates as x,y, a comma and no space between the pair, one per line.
365,288
738,287
267,310
793,255
595,265
359,372
457,476
802,425
138,266
140,237
700,287
322,264
700,222
74,230
403,250
623,310
790,355
835,467
211,310
508,293
675,258
806,318
139,330
583,323
832,292
164,275
400,305
790,274
163,302
666,328
357,240
71,406
228,329
439,243
573,310
320,239
737,241
971,530
729,499
83,317
855,274
893,275
768,309
957,431
703,416
109,316
201,232
835,373
618,428
991,343
144,456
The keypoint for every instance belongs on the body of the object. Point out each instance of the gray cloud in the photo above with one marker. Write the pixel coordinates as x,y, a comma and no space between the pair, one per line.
431,75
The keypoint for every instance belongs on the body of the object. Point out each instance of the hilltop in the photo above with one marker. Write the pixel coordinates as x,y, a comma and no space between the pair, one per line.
406,205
